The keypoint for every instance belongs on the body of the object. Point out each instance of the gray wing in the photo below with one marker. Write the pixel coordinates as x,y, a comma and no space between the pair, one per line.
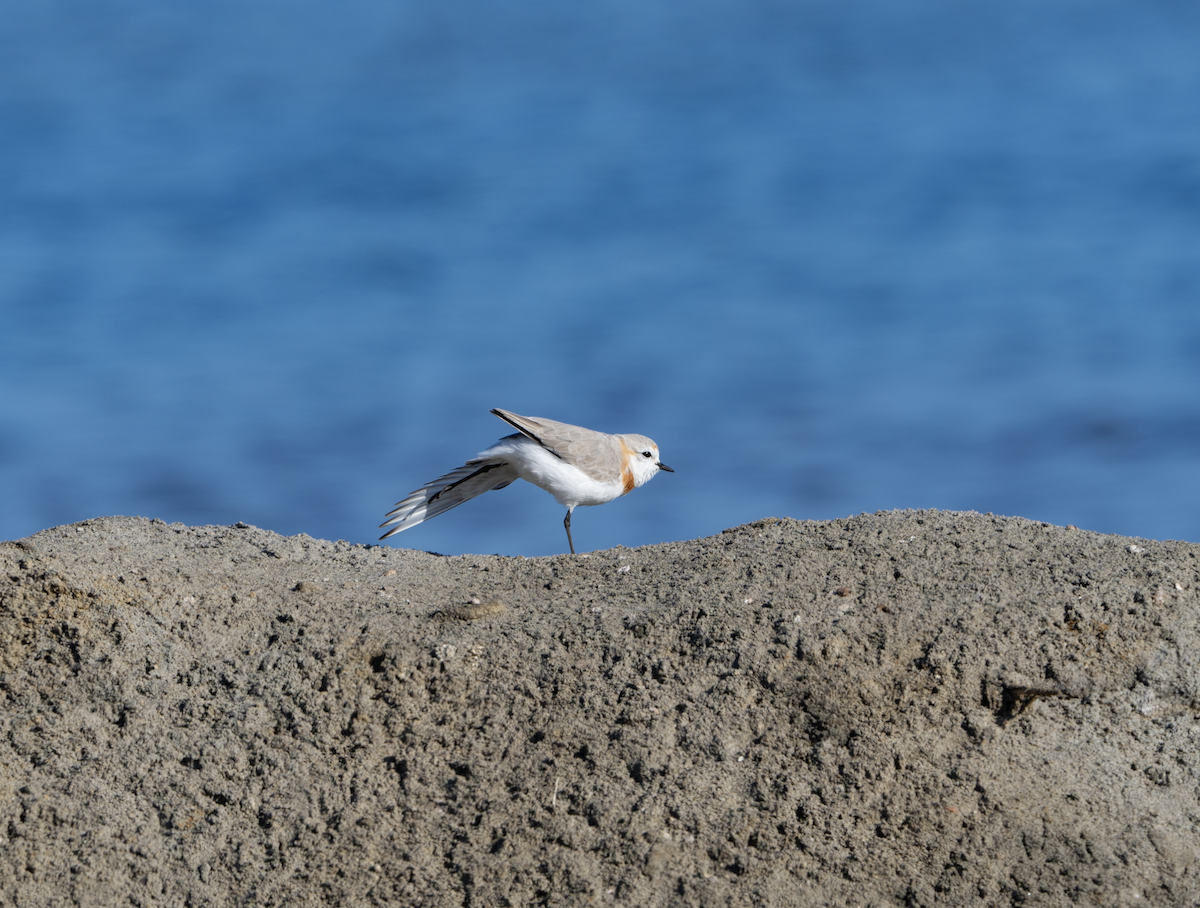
596,453
469,481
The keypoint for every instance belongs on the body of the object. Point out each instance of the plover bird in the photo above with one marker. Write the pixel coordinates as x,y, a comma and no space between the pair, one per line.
577,466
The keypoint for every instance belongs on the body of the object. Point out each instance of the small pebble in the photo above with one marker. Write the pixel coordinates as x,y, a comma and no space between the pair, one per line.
472,612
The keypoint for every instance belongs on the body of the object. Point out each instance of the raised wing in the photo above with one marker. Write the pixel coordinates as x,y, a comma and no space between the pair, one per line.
469,481
596,453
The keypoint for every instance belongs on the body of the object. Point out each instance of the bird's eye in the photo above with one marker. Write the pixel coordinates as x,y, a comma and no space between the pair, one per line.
646,454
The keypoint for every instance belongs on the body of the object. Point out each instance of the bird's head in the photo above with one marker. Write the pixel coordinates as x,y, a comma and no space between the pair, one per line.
642,458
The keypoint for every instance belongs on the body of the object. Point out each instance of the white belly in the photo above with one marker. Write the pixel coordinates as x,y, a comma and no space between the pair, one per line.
570,486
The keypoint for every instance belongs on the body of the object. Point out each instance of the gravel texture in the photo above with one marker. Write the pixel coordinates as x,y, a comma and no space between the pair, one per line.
905,708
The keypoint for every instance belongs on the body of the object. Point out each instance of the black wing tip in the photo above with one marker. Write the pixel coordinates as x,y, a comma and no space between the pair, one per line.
524,431
503,414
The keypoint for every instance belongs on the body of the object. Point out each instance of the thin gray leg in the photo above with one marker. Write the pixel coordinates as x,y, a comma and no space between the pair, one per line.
567,524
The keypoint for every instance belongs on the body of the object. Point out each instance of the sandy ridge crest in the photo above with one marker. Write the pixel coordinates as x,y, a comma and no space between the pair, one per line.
905,708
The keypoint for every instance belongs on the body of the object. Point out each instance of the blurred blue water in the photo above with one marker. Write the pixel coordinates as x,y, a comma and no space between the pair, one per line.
273,262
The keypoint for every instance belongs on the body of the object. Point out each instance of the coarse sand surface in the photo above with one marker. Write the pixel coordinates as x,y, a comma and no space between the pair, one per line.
904,708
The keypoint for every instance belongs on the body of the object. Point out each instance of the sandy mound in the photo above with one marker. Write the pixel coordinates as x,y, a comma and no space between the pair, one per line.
911,708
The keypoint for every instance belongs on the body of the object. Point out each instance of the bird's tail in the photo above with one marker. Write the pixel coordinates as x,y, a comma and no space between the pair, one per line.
469,481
